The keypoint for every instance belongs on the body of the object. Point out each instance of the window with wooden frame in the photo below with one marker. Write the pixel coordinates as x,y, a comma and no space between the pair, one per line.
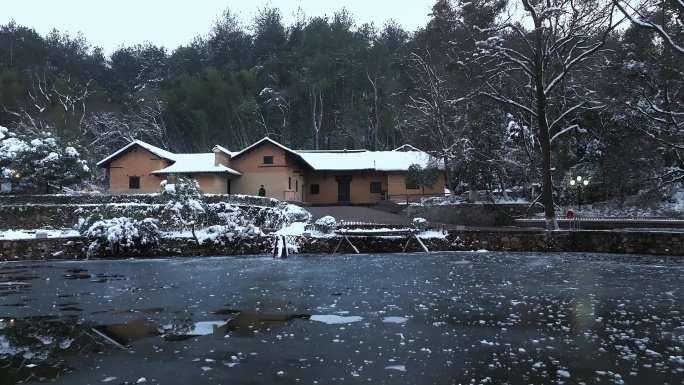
375,187
268,159
134,182
315,189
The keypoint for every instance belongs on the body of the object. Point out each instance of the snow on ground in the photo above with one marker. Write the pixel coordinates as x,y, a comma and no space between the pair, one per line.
295,229
31,234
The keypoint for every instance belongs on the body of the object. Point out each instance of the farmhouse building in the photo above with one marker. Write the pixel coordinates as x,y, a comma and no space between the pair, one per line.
315,177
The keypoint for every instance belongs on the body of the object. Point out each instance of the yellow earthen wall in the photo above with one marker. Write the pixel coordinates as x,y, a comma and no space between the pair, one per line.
136,162
274,176
359,187
212,183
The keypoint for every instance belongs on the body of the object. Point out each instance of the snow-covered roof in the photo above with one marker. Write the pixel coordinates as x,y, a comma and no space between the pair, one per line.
224,150
338,160
153,149
402,160
264,140
406,147
195,163
368,160
399,159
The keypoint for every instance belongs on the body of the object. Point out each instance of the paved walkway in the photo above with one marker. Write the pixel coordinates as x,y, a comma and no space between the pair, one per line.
363,214
354,213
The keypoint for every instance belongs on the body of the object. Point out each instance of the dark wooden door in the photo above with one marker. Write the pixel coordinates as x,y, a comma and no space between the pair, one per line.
343,195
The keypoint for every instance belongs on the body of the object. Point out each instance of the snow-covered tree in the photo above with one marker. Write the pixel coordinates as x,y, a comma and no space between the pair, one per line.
540,72
109,131
183,201
652,61
41,162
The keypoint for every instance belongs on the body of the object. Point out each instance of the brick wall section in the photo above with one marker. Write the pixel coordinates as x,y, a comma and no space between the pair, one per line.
589,241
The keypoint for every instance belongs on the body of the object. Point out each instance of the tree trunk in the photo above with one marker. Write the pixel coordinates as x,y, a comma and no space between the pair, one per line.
545,143
502,186
376,129
449,179
472,181
316,116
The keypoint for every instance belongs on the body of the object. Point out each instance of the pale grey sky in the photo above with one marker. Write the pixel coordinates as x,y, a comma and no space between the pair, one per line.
109,24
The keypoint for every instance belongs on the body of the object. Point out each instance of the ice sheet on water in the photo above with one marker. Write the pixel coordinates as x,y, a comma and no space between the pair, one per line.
396,320
401,368
331,319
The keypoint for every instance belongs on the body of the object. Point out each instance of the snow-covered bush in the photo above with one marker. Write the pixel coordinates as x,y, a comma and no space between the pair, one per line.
183,200
122,235
281,216
86,216
419,223
292,213
326,224
219,234
237,226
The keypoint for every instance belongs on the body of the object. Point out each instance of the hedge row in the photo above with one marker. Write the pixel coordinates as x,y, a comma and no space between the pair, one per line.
101,199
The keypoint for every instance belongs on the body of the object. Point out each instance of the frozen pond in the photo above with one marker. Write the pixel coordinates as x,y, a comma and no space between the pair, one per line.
439,318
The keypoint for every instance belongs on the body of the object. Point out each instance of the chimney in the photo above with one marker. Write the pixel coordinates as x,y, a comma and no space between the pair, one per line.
217,156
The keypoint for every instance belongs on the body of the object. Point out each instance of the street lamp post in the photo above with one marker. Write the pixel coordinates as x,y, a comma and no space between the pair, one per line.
579,182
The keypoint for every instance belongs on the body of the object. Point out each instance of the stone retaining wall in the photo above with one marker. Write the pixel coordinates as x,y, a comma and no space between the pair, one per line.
39,249
38,217
468,214
65,217
591,241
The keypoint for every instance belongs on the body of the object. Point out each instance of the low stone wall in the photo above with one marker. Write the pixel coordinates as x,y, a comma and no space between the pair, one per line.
40,249
590,241
38,217
66,216
468,214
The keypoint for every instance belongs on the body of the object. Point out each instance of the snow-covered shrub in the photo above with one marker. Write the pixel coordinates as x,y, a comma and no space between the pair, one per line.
431,201
281,216
182,199
219,234
122,235
236,226
326,224
85,217
293,213
419,223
